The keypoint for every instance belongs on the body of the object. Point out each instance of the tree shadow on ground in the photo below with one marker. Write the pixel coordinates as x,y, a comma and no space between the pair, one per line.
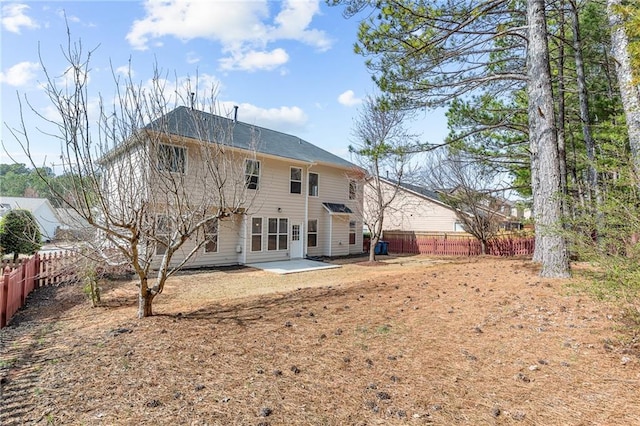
266,307
21,343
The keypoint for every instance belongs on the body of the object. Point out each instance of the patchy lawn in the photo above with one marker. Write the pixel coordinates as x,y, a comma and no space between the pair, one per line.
416,341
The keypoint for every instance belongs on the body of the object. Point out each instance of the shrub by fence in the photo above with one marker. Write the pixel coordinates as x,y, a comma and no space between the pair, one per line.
20,279
443,245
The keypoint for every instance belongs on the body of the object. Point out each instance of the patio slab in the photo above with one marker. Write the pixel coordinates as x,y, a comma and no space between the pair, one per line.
292,266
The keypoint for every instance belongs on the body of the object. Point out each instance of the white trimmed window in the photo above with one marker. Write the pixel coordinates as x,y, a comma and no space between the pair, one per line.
312,233
256,234
252,173
296,180
353,189
278,234
314,184
352,232
163,231
172,158
211,236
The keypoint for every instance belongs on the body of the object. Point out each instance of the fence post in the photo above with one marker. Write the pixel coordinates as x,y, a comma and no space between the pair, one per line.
36,271
23,282
4,293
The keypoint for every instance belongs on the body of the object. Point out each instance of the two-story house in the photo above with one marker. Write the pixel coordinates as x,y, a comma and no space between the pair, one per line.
300,200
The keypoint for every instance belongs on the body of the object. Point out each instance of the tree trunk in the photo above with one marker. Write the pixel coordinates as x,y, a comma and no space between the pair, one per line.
372,247
145,300
592,173
543,141
628,90
562,146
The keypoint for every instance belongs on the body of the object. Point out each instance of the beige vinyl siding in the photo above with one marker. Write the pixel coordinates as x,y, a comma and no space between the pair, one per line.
333,188
124,179
228,238
340,235
412,212
274,200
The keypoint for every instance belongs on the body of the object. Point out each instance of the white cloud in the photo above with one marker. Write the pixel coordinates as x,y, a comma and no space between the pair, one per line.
253,60
293,20
20,74
193,58
14,17
244,30
284,119
125,70
71,18
349,99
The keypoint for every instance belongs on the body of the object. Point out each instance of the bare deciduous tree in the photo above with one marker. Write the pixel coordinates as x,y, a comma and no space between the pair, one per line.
381,149
155,184
472,189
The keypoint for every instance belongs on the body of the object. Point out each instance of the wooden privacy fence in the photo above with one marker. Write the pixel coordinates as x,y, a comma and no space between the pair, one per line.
39,270
410,243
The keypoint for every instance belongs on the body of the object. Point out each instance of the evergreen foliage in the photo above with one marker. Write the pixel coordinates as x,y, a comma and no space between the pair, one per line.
19,233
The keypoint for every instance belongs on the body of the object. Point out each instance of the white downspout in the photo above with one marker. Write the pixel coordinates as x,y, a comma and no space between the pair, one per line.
303,230
243,231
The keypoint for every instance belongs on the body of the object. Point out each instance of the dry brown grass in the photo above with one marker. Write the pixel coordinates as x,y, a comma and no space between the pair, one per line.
417,341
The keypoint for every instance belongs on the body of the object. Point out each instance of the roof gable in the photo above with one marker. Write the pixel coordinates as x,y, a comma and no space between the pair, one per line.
182,121
31,204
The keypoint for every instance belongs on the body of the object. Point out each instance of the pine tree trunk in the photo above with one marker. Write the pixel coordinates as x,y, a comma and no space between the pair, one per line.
583,96
543,141
628,90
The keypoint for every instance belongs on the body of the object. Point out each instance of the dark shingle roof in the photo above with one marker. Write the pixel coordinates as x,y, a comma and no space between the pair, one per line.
422,191
183,121
337,208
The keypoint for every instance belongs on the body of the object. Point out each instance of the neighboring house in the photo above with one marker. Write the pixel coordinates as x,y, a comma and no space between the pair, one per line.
419,209
303,202
72,226
41,209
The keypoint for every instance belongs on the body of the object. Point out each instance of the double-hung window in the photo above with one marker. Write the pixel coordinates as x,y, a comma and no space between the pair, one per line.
163,234
313,184
277,238
352,232
353,188
252,173
256,234
312,233
172,158
296,180
211,236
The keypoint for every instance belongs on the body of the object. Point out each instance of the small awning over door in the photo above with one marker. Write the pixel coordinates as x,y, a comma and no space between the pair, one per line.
337,208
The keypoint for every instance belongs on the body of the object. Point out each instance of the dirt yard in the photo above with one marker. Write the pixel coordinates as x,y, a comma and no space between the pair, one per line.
414,341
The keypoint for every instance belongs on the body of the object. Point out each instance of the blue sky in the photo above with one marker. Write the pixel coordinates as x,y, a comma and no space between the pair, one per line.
289,65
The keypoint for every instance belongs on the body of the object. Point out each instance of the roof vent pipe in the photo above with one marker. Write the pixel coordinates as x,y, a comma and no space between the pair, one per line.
193,100
235,113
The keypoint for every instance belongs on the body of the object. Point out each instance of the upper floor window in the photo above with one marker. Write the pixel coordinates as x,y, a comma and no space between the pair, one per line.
211,236
353,189
296,180
172,158
313,184
252,173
